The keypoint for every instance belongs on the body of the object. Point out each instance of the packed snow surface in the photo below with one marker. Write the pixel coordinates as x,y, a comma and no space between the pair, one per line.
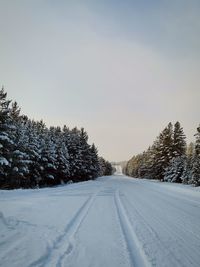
113,221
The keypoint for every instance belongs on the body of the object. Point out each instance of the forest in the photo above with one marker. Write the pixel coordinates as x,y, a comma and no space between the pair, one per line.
169,158
33,155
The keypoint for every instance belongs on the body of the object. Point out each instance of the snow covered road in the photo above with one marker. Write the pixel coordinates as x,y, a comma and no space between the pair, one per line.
113,221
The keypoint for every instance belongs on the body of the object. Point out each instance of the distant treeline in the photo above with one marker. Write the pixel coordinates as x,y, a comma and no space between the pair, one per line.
169,158
32,155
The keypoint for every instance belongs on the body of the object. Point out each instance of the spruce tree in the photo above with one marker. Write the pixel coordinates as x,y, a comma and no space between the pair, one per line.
195,179
72,140
62,162
20,159
162,152
62,157
48,159
94,165
33,155
34,151
175,170
6,142
197,143
188,164
179,147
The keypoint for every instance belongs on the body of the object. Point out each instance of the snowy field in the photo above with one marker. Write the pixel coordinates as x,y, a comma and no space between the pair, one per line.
111,222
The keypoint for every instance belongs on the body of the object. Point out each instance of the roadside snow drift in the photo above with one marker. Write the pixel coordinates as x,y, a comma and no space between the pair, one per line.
113,221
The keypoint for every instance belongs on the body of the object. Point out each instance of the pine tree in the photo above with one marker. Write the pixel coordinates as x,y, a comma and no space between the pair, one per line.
84,149
33,155
62,162
94,165
102,164
106,168
145,164
62,156
197,143
79,153
188,163
162,152
153,162
6,142
72,141
195,179
109,168
34,151
179,148
48,159
174,171
20,159
190,149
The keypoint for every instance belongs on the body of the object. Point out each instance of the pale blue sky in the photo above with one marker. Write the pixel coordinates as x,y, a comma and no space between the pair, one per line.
121,69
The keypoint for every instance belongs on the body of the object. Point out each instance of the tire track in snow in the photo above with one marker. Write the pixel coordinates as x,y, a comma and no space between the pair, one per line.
147,230
122,253
181,212
137,255
169,197
64,244
171,193
175,239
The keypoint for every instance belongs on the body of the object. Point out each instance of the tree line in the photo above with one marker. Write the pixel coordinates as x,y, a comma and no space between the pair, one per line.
169,158
33,155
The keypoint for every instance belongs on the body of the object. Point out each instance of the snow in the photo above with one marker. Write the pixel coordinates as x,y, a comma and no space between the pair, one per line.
5,138
50,176
113,221
3,161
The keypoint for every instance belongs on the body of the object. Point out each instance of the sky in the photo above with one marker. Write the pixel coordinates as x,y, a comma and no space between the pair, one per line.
121,69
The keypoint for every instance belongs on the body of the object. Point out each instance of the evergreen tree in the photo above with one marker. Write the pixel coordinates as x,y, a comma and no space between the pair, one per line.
188,163
62,157
33,149
175,170
94,166
6,142
84,149
146,164
109,169
197,143
162,152
72,140
102,164
20,159
106,168
179,148
195,179
33,155
190,150
48,161
62,163
158,159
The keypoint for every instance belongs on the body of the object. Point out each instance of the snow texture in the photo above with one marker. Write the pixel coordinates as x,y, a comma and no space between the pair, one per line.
113,221
3,161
